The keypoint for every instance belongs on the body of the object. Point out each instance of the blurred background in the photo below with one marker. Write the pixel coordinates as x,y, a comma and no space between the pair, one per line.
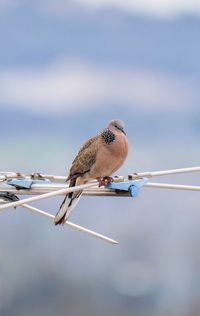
66,68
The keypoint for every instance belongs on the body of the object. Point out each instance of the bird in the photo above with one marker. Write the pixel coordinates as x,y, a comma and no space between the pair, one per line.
98,158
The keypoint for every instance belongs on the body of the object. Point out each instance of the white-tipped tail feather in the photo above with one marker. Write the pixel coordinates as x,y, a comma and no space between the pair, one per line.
67,206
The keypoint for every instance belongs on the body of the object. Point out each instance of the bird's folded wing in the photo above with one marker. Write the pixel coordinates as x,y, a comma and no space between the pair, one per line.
86,158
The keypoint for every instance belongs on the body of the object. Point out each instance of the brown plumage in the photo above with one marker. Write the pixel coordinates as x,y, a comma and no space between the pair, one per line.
99,157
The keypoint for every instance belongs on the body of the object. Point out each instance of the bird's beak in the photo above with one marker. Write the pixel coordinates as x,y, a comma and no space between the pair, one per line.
123,131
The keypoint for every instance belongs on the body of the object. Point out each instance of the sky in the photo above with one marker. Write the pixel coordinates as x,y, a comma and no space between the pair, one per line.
94,53
162,8
81,85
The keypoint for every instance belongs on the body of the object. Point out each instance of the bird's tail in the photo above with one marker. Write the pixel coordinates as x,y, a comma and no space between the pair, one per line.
69,202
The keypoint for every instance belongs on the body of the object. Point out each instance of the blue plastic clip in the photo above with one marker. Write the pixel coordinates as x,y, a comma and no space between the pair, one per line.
131,186
25,183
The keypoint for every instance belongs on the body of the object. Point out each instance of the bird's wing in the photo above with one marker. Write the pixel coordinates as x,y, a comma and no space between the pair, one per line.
85,158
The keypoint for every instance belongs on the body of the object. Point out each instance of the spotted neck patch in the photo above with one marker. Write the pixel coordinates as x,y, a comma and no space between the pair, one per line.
108,136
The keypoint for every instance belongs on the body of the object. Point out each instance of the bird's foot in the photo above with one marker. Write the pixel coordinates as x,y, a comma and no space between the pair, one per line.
104,180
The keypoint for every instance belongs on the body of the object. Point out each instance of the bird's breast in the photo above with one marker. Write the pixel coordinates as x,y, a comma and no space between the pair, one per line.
119,147
110,157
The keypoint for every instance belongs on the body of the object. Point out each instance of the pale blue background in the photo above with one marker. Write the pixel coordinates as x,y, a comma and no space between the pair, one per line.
66,68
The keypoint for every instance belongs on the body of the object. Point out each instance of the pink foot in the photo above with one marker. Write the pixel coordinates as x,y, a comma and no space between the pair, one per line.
104,180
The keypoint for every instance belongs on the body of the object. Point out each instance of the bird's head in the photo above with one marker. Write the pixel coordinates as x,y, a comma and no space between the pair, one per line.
116,126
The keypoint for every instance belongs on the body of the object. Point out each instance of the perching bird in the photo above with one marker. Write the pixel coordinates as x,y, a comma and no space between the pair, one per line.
97,159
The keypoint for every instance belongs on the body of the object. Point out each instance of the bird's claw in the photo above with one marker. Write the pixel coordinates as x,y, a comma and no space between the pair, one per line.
104,180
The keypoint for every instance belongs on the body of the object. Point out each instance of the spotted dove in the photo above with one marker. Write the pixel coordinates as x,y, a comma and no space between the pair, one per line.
97,159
